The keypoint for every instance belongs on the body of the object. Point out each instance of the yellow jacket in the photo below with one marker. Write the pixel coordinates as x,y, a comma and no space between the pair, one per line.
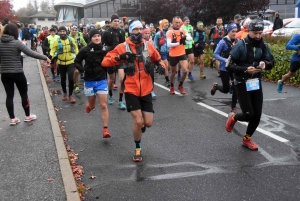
67,57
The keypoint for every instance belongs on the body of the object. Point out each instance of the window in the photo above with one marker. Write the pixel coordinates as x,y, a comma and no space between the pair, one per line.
51,19
41,19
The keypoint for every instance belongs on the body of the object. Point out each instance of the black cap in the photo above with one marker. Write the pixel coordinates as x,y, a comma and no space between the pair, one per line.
94,32
113,17
238,17
256,25
62,28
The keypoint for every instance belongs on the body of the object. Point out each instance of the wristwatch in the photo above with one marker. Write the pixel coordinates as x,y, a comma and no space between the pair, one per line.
117,58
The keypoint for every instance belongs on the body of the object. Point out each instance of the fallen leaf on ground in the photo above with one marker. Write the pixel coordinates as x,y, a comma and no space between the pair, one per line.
30,124
88,188
50,179
56,109
68,148
92,177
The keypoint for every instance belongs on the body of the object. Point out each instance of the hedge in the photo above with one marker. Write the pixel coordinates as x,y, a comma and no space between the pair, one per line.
282,60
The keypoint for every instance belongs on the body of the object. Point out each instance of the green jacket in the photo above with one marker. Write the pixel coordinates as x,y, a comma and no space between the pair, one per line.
67,57
190,30
78,38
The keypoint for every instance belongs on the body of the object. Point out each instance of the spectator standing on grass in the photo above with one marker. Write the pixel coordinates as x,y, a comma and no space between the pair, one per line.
278,23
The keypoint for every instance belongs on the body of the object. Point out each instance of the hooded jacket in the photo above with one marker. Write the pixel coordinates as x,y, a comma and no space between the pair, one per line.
140,83
10,53
93,55
164,48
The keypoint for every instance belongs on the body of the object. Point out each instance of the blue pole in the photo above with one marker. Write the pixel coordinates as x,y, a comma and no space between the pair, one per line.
297,9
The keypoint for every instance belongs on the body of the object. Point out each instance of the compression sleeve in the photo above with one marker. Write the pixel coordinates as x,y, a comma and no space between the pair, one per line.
170,44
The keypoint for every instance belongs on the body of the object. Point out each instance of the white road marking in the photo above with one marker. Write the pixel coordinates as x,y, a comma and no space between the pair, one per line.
271,135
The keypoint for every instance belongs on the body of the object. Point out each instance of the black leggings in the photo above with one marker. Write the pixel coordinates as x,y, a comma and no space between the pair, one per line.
9,80
251,104
63,70
225,78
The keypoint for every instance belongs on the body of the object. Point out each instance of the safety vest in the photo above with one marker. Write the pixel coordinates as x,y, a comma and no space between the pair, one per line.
219,33
60,47
51,40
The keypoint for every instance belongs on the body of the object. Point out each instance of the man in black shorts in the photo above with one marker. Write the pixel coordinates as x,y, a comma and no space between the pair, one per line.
111,38
199,45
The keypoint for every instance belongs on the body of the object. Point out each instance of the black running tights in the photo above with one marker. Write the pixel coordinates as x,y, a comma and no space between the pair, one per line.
63,70
225,78
9,80
251,105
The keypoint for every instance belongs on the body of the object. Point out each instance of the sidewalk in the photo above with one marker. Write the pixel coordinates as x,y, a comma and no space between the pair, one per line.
32,156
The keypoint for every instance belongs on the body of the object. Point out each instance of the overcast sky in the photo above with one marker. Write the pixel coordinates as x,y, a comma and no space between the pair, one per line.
22,3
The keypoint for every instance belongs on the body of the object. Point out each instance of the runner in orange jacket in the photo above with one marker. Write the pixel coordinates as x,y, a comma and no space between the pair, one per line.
138,81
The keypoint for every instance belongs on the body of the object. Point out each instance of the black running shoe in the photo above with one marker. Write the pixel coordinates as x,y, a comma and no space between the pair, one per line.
137,155
143,129
213,89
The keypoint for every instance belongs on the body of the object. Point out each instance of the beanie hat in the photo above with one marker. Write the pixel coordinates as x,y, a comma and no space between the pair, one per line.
231,26
134,24
185,19
52,29
146,31
62,28
199,23
163,22
113,17
256,25
94,32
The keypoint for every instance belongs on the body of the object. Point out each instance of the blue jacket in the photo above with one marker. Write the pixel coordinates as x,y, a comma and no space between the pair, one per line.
243,58
21,34
294,44
221,47
33,31
164,48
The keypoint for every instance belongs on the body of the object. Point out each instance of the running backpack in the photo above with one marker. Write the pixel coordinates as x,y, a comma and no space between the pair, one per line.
60,47
226,53
161,39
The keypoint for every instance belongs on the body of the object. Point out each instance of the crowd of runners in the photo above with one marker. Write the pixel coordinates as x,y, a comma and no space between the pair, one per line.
136,51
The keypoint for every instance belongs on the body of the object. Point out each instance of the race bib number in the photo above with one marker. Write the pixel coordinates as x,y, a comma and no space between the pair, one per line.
252,85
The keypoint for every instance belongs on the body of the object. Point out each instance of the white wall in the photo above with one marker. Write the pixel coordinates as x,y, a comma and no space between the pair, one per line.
43,23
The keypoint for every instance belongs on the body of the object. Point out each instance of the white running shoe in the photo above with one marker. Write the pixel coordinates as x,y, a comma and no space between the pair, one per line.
31,117
14,121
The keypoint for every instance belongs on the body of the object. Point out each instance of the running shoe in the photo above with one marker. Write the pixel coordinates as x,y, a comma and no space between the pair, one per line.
213,89
137,157
77,90
31,117
58,79
181,89
167,84
53,78
143,128
122,105
247,142
87,108
190,76
64,97
71,99
202,76
153,95
115,86
110,100
178,76
172,90
230,123
106,133
14,121
279,86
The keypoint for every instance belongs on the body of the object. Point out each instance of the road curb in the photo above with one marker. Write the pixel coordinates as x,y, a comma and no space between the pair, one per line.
64,163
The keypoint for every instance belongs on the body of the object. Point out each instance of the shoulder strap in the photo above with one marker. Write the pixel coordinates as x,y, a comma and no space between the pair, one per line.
127,48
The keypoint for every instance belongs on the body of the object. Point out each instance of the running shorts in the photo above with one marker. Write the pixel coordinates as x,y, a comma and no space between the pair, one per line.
91,88
175,60
139,103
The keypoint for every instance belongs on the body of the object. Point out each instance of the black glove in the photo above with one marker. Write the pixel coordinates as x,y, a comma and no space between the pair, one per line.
50,57
128,56
182,40
160,69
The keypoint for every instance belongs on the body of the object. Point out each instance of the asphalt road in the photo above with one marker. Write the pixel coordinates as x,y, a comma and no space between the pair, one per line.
187,154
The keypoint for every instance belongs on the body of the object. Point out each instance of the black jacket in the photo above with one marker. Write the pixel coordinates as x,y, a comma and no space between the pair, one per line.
113,37
93,56
278,24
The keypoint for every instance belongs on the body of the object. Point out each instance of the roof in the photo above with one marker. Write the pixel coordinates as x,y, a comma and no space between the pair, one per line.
42,14
95,3
68,3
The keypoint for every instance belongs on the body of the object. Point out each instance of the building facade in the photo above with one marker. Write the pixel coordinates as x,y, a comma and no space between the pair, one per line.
286,8
43,19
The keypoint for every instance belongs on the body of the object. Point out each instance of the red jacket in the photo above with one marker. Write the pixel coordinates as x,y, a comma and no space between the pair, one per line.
140,84
43,35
